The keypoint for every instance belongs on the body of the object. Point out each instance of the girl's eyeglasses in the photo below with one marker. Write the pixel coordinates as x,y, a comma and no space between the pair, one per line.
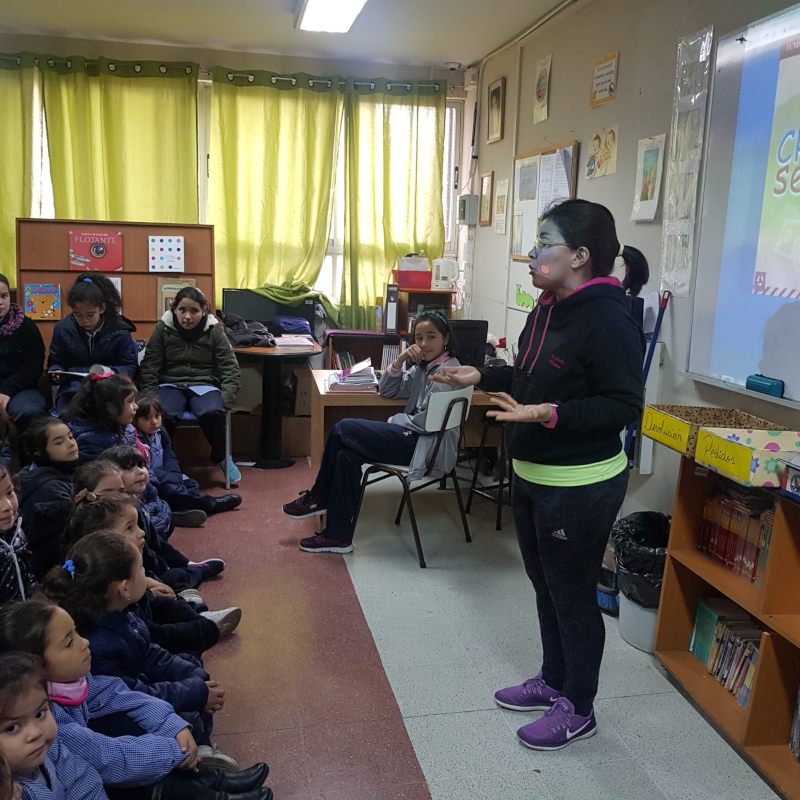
540,244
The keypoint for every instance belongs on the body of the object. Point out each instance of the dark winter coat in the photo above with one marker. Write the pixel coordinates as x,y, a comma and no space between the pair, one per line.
585,354
16,579
158,511
113,347
210,361
121,647
45,502
163,465
93,437
21,359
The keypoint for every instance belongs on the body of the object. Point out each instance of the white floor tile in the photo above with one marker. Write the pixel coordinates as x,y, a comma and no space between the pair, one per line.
507,786
617,780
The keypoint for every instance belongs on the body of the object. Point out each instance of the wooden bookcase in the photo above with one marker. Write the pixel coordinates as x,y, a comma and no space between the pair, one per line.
761,731
43,257
409,299
362,344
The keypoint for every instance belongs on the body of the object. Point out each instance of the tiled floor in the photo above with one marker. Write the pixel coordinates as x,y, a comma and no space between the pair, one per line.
364,676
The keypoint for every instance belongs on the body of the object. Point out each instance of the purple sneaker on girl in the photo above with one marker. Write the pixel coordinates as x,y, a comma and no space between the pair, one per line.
530,695
559,726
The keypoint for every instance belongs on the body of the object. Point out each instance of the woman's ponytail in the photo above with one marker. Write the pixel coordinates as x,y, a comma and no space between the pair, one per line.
637,270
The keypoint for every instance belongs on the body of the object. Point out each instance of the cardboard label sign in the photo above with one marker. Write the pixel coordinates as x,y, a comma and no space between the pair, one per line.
666,429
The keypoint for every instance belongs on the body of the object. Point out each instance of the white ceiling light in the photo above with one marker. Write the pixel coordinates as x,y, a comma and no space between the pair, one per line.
333,16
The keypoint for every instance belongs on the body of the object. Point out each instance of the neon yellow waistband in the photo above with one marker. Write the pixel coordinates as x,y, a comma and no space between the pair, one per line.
579,475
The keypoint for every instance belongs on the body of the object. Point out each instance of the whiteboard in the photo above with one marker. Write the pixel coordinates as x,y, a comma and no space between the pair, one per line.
747,289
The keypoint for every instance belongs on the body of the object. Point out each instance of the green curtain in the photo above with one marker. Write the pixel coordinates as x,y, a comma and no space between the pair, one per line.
274,142
18,77
122,138
394,134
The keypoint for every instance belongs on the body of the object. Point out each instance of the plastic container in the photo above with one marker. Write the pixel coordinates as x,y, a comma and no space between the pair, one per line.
412,278
637,625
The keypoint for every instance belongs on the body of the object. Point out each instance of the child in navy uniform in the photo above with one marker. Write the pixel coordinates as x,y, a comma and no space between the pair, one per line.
181,492
94,333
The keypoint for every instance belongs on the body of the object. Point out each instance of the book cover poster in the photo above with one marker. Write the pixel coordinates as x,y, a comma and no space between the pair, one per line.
93,250
167,289
166,253
42,301
777,269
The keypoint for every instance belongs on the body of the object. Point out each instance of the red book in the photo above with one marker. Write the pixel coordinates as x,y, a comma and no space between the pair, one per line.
95,250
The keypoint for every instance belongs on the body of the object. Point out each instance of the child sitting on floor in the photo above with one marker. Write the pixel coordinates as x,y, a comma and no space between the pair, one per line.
148,744
45,488
181,492
105,578
16,579
36,758
101,414
95,333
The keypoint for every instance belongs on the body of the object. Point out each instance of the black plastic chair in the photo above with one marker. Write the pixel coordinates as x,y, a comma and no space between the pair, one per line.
497,491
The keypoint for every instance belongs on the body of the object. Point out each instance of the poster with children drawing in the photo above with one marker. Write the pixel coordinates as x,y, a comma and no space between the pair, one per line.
602,153
649,163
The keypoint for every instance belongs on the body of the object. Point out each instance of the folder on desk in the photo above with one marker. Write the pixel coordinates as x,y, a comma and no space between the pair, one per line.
390,312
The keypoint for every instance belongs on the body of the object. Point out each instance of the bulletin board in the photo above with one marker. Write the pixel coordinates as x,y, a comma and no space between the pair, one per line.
43,258
541,178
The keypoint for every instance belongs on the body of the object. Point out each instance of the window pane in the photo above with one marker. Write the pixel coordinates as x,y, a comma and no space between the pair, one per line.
448,177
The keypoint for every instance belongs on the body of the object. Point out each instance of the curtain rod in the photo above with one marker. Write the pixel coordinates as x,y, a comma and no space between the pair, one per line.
275,78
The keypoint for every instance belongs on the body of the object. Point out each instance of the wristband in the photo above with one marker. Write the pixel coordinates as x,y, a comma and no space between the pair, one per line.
551,423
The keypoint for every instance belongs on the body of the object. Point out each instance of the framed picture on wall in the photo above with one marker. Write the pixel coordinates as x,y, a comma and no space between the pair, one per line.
487,189
496,103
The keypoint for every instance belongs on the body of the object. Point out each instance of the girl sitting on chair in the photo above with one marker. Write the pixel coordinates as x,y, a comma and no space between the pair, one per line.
403,440
191,363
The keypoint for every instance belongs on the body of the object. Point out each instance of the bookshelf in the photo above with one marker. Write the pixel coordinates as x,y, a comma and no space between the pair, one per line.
409,300
761,731
361,344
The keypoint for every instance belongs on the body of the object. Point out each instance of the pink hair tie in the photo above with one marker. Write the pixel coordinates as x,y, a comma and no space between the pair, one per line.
100,375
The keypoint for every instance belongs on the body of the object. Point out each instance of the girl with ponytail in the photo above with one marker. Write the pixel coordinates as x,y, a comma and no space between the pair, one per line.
576,385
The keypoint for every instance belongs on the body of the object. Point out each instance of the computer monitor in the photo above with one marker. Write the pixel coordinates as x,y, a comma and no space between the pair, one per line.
252,305
471,336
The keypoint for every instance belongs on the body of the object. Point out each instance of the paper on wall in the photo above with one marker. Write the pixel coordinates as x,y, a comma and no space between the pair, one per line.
649,166
500,206
555,178
541,94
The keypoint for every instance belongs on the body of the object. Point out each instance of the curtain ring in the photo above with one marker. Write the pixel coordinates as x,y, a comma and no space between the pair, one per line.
274,80
230,76
251,78
137,67
19,61
409,87
294,81
437,87
51,63
372,86
112,67
163,69
69,63
388,86
188,70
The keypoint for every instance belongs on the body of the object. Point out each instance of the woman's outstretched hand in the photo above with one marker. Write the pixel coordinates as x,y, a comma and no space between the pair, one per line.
457,376
512,411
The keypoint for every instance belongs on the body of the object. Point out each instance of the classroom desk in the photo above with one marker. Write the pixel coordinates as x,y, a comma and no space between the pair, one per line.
327,408
269,447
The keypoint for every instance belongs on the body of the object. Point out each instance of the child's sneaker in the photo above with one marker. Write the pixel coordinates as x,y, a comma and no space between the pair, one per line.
226,502
530,695
209,566
226,619
209,756
558,727
306,506
191,596
322,544
232,470
193,518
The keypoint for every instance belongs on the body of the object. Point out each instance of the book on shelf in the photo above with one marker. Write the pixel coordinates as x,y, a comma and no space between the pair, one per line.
359,377
726,640
294,342
390,353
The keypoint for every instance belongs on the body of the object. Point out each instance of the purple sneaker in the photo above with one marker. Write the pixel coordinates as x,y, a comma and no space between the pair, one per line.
558,727
322,544
530,695
306,506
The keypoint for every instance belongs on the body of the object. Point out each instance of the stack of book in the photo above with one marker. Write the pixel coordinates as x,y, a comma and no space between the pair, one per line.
736,528
294,342
390,353
343,360
360,377
726,641
794,738
767,520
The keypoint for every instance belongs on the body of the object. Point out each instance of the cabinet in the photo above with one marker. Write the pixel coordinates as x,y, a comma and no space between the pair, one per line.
761,731
361,344
410,301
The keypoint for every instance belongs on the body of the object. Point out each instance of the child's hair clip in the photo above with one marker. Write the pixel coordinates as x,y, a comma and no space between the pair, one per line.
69,567
85,494
98,376
86,279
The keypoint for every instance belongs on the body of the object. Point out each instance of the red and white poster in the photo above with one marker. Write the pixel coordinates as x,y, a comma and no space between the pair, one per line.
95,251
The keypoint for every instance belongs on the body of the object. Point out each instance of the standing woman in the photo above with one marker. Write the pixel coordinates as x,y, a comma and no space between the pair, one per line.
21,362
576,384
191,363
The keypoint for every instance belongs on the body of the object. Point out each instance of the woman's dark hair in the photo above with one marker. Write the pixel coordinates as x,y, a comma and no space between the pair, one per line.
34,439
6,781
87,476
98,560
590,225
19,673
125,456
191,293
23,626
147,402
96,290
441,323
94,397
5,280
92,514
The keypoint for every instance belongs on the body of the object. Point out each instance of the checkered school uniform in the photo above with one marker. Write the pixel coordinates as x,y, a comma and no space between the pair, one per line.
127,760
68,775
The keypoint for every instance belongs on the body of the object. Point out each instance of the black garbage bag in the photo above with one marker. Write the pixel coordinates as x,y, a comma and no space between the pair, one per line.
640,550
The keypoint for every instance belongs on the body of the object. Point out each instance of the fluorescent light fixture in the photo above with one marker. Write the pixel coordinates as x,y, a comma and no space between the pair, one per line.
333,16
